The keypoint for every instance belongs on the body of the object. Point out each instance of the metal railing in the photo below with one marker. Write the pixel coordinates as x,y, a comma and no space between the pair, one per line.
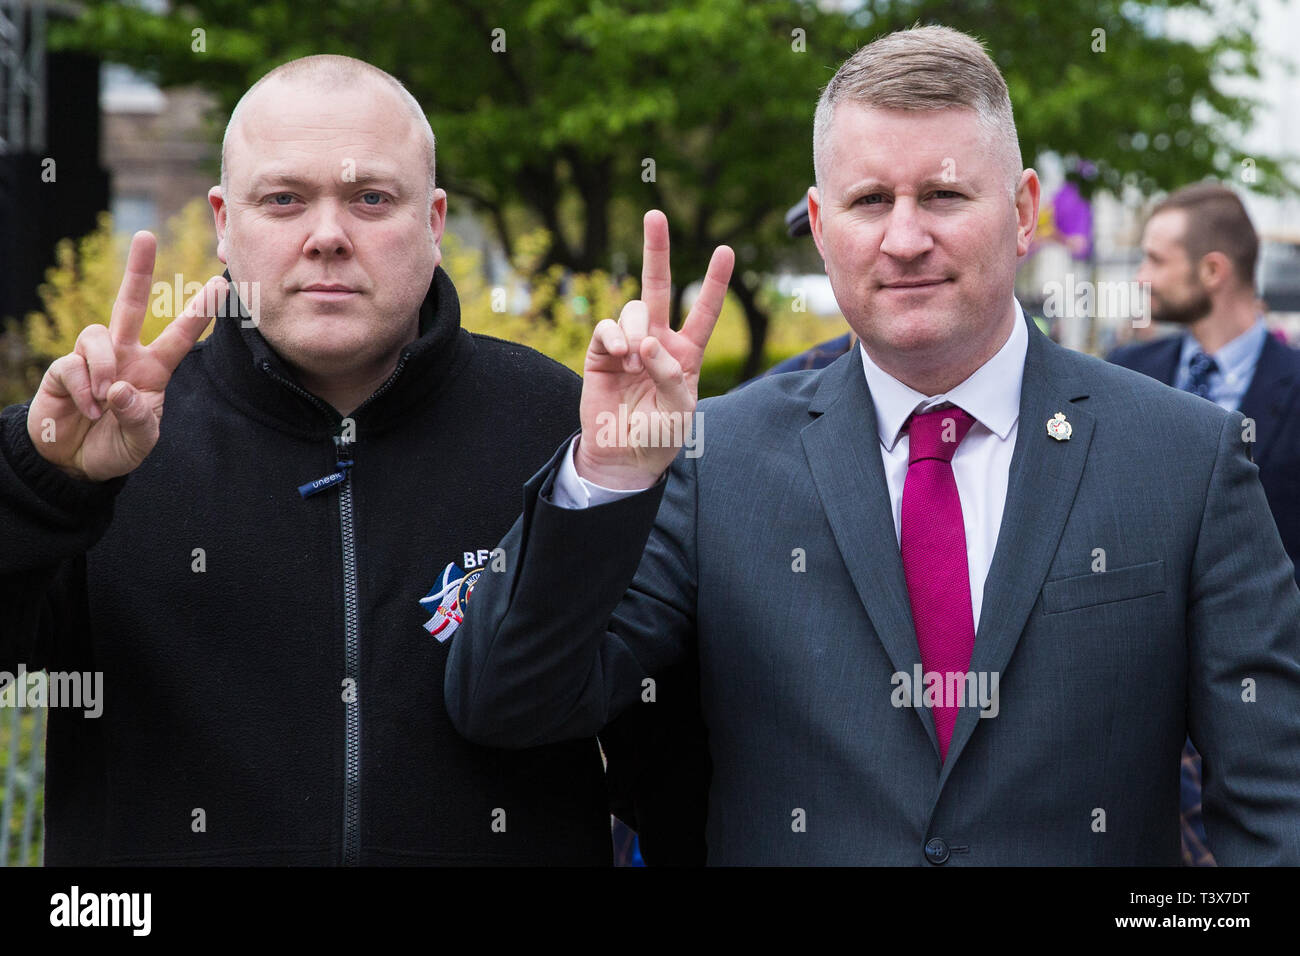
22,770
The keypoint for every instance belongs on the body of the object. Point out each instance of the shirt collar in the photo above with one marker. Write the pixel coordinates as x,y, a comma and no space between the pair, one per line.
991,394
1232,356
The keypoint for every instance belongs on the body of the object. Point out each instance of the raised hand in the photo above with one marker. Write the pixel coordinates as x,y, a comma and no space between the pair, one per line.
641,379
97,412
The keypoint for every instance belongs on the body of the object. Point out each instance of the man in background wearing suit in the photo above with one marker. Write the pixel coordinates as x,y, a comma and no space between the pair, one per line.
939,615
1198,257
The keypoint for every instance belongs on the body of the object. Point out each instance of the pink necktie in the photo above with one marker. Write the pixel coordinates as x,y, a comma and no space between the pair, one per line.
933,543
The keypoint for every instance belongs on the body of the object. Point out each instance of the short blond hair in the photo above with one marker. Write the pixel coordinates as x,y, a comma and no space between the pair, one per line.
328,72
924,68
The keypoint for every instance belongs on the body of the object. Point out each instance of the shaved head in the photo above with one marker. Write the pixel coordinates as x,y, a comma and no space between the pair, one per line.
328,73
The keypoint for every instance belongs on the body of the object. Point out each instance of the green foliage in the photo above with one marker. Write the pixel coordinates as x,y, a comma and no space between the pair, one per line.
561,311
1151,110
80,288
555,130
20,374
715,92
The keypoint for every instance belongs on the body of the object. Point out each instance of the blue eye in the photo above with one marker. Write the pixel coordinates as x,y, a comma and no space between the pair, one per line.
379,198
278,196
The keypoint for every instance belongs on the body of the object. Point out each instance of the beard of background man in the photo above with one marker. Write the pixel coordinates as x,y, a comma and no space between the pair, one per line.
1191,309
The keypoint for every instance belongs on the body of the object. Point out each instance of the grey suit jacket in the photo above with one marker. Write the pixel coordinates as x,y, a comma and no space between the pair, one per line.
773,557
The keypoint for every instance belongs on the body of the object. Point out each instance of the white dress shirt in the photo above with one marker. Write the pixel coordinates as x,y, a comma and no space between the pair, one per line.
981,465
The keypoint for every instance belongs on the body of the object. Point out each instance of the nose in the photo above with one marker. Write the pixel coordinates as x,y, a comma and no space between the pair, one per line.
327,237
905,235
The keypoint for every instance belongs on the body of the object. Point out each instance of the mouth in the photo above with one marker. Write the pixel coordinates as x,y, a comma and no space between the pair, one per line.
327,291
913,285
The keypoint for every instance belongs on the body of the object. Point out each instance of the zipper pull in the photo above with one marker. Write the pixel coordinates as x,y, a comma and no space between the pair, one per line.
344,462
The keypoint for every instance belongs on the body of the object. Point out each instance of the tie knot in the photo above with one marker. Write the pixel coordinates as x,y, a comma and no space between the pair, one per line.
937,433
1202,365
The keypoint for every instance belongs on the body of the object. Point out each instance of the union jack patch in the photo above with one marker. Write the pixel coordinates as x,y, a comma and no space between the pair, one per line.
447,599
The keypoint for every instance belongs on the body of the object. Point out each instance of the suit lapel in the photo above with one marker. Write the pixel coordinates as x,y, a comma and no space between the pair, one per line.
842,445
1158,359
1267,401
1041,487
1164,365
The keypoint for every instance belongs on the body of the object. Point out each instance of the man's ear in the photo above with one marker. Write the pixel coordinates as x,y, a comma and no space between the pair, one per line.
1027,195
438,222
1214,270
218,203
815,220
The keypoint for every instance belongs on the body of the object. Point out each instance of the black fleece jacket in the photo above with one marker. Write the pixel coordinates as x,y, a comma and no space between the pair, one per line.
270,695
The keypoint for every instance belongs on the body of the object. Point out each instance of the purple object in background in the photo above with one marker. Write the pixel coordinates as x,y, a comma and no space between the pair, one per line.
1073,218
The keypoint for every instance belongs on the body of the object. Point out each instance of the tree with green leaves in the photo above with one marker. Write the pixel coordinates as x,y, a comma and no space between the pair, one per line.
578,116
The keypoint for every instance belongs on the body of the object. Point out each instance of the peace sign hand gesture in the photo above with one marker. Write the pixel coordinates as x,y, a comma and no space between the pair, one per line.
639,364
103,403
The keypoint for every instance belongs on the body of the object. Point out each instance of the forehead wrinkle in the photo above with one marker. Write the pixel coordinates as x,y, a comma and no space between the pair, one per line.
372,151
928,181
364,139
376,162
890,132
268,178
257,111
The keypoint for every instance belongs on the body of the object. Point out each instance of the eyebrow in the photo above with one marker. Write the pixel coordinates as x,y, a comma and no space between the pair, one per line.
869,186
273,180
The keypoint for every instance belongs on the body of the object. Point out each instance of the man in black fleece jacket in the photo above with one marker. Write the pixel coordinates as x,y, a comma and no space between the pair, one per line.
246,571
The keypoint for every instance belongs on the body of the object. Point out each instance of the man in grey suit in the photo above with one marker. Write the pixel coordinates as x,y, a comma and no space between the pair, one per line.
958,598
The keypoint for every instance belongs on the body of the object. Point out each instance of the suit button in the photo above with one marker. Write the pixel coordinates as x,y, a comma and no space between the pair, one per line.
936,851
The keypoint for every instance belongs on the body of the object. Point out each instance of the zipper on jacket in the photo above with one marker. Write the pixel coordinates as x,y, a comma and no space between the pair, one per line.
351,665
341,478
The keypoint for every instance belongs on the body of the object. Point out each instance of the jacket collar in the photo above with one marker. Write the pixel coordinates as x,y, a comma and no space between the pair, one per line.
1159,359
254,378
